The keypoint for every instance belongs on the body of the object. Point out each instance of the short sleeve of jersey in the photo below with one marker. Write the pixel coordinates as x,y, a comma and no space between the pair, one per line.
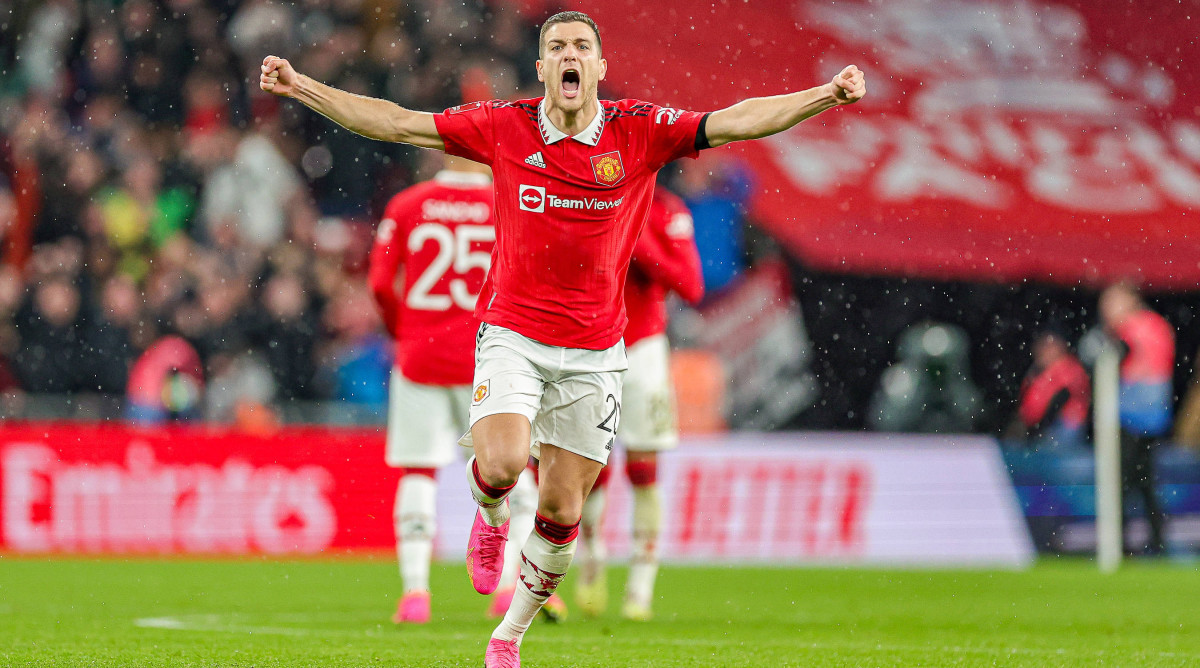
672,135
468,131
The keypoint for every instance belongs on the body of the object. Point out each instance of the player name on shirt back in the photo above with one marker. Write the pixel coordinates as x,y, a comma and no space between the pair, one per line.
458,212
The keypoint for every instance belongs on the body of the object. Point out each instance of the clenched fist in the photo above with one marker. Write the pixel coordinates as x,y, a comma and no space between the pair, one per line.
849,86
278,76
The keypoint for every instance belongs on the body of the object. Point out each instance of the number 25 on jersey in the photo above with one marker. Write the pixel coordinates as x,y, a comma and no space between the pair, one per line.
454,256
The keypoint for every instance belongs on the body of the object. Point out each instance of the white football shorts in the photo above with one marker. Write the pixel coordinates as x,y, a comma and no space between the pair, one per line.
424,422
649,423
571,396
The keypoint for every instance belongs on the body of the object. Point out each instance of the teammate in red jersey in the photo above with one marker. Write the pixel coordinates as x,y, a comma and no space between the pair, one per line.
665,260
573,181
432,250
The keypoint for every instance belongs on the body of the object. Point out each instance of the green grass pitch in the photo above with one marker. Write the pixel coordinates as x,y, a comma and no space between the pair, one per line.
175,612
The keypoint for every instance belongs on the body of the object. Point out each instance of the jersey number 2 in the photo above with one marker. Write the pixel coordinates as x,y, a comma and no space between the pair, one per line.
614,416
454,250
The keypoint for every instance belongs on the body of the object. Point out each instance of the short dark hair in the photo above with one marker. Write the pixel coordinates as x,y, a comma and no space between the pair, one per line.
568,17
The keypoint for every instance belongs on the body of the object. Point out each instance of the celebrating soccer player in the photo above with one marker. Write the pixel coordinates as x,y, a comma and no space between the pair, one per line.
574,177
438,237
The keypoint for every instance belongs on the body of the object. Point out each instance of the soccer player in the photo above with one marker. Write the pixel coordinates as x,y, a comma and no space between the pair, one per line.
573,180
1146,398
665,260
432,250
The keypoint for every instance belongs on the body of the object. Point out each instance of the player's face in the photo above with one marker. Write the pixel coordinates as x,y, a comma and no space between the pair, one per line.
571,66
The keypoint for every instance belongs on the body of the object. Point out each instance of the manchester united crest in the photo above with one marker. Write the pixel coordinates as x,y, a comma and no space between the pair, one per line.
608,168
482,391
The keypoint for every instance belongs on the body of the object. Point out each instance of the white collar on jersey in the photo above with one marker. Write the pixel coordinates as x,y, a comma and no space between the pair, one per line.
589,136
454,179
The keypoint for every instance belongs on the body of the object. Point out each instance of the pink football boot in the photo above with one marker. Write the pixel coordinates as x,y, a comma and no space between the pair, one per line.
485,554
413,608
502,654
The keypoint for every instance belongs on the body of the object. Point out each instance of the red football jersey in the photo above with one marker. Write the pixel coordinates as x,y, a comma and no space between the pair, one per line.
568,209
1037,392
1151,342
439,236
665,260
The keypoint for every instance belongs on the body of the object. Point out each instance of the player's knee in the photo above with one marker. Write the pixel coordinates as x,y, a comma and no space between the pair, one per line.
560,508
501,448
499,471
560,515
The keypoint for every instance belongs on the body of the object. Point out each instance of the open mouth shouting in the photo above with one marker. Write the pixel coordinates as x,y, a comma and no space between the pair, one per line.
570,83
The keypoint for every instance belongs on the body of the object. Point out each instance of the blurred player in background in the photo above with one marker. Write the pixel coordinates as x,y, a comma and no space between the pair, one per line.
1147,394
1055,396
574,181
665,260
432,250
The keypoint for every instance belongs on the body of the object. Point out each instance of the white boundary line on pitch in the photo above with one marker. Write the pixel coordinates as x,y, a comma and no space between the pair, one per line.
215,623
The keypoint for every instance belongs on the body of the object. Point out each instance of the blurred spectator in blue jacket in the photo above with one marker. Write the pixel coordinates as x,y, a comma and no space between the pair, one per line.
715,190
359,361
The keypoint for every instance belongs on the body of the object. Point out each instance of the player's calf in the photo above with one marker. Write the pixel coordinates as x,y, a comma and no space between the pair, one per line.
591,590
544,563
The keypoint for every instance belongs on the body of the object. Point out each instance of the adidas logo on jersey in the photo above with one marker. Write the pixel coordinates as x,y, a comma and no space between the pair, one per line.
536,160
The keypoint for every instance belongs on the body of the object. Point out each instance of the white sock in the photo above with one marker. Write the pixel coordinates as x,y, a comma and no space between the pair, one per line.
493,508
415,521
522,504
593,552
520,615
543,566
643,568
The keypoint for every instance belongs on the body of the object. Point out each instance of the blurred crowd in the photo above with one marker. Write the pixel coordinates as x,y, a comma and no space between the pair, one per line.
174,236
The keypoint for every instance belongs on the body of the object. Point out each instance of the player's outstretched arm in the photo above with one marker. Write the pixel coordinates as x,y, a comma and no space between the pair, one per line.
763,116
367,116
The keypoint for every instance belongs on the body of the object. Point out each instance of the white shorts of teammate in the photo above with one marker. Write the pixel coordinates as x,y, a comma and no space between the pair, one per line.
648,421
571,396
424,422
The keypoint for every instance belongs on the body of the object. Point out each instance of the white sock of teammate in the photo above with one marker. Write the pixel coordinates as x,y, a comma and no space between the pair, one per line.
593,553
415,522
490,499
522,505
544,562
643,567
647,520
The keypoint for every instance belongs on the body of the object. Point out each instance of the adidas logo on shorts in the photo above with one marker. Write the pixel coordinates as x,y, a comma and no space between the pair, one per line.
536,160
